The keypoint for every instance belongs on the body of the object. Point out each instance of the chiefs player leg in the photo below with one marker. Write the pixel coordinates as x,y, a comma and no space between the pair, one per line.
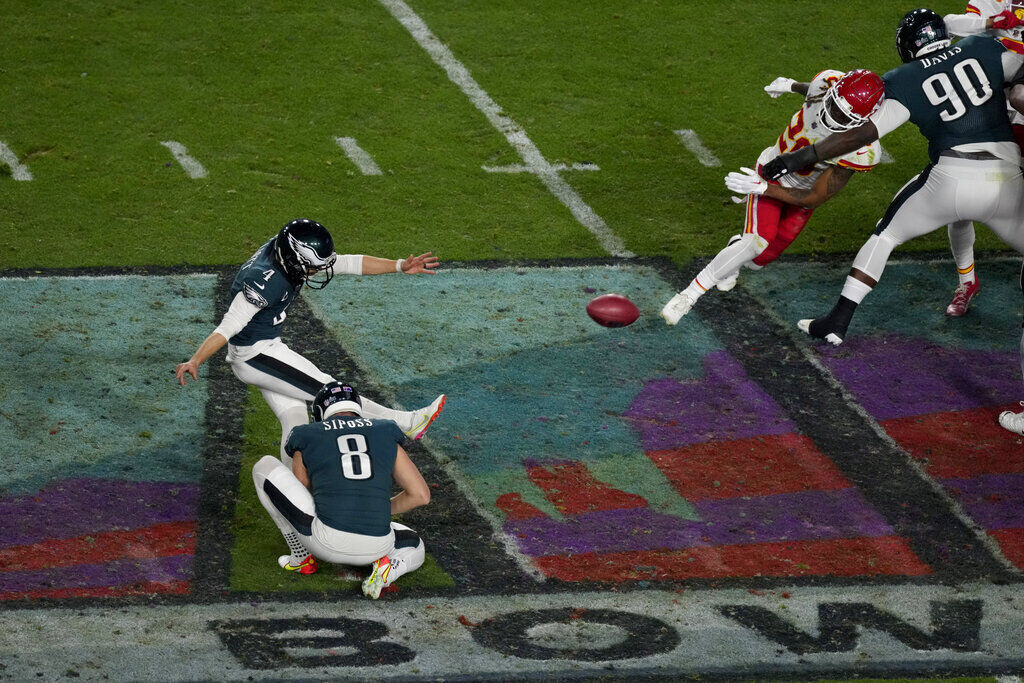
791,223
761,224
290,505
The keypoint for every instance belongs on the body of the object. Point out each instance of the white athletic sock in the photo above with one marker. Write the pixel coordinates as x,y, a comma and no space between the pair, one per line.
296,547
372,409
725,263
961,243
291,418
855,290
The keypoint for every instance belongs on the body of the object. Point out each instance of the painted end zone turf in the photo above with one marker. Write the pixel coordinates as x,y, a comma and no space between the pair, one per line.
100,494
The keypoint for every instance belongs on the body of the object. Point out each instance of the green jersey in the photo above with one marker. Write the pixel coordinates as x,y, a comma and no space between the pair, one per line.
350,461
955,96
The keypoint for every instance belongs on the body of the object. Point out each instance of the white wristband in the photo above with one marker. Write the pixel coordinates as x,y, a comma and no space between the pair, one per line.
398,265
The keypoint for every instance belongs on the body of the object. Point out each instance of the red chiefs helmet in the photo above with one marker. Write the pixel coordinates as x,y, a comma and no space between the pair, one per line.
849,102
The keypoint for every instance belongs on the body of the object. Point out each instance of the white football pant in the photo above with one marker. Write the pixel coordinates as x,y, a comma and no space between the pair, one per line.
290,505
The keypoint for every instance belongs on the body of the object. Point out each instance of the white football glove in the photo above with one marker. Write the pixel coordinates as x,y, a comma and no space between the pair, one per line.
780,86
747,182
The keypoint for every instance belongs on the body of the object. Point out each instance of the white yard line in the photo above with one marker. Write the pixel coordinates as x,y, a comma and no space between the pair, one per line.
503,123
358,156
18,170
520,168
692,142
886,157
193,168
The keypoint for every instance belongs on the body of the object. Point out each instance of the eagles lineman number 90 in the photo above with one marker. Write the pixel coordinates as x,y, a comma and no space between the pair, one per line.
940,89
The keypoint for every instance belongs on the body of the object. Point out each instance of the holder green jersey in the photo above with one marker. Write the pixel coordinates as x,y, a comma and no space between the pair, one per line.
350,461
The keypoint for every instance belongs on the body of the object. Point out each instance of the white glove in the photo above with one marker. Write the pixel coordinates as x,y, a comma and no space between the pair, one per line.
780,86
747,182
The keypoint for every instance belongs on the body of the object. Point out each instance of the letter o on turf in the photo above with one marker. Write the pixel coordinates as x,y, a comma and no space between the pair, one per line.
508,634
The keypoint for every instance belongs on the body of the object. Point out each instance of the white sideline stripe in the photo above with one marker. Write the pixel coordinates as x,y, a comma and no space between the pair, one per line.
193,168
692,142
18,170
1008,679
519,168
886,157
516,136
358,156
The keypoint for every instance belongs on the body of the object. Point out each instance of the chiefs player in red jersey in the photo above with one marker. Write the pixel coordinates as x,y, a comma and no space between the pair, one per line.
777,212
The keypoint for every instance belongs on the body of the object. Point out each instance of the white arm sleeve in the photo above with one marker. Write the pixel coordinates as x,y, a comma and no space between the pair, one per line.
239,313
961,25
349,264
890,116
1013,65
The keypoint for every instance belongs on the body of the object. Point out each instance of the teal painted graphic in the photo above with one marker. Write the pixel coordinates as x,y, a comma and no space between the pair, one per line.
86,389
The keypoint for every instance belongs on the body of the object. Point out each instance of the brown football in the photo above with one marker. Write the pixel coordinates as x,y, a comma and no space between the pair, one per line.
613,310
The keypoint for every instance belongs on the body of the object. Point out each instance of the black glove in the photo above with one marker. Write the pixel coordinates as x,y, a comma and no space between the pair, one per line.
789,162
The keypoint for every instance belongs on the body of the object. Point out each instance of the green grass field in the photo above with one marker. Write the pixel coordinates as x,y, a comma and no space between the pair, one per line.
258,94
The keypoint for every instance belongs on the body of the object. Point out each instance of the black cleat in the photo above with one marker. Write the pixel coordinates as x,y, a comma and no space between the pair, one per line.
823,328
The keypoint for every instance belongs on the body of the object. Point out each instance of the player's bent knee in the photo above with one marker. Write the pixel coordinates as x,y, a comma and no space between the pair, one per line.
264,466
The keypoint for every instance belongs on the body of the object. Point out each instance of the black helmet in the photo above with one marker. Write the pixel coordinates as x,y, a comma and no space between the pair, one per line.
920,31
304,248
335,397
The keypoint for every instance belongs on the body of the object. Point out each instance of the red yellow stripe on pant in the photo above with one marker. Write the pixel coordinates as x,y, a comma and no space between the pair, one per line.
751,218
1013,45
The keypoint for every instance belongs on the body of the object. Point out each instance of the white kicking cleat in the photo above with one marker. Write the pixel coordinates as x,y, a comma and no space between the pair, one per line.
381,576
1012,421
677,307
425,417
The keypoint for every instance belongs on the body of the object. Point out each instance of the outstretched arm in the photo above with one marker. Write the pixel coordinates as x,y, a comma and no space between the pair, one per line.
783,85
833,179
835,145
238,315
424,263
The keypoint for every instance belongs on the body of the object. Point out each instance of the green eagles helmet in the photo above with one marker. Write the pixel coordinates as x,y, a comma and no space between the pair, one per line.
304,248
